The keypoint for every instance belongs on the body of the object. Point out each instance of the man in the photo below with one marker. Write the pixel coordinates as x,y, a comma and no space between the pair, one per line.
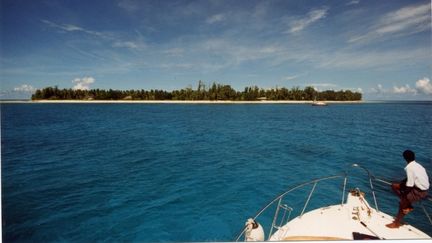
410,190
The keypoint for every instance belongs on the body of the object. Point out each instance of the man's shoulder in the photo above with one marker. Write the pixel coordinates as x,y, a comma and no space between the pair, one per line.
413,165
417,165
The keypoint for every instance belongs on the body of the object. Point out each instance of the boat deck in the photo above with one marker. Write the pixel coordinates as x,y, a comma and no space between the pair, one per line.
343,221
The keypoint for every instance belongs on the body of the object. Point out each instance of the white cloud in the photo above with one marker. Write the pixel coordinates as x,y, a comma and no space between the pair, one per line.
290,77
312,16
269,49
417,17
353,2
116,41
73,28
83,83
369,59
324,85
404,90
405,21
23,91
424,86
26,88
177,65
378,89
174,52
70,27
215,19
233,53
129,45
129,5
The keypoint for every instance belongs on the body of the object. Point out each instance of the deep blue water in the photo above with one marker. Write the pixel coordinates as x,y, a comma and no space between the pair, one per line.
171,172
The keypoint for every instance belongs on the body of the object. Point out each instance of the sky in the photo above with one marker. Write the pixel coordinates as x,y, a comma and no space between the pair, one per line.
379,48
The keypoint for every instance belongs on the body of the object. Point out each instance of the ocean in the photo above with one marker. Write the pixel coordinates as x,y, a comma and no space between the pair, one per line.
189,172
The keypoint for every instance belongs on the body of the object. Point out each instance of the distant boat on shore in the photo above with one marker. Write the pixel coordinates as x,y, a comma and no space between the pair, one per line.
319,103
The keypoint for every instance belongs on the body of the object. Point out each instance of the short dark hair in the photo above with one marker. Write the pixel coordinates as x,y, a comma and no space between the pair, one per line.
408,155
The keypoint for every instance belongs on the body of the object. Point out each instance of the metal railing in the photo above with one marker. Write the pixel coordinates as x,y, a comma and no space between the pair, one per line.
281,196
315,182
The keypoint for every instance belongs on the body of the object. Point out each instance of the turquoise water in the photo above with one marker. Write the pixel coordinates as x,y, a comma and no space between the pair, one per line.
174,172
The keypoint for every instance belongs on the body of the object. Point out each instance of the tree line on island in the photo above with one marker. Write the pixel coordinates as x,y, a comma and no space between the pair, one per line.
214,92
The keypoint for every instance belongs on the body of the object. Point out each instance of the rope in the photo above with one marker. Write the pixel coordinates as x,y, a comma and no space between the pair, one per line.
373,232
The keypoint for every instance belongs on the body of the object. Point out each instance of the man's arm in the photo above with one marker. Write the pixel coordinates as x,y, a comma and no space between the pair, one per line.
410,178
409,182
401,188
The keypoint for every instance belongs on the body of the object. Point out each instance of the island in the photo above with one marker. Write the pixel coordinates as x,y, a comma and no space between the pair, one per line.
215,92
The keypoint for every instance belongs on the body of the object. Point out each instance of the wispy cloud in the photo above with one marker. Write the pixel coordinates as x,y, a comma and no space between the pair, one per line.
228,52
129,5
324,85
115,40
353,2
298,25
372,59
129,44
23,91
288,78
215,18
83,83
26,88
405,21
378,89
73,28
231,52
174,52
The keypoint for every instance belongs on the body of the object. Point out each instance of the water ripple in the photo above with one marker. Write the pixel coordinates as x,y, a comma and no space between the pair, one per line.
74,172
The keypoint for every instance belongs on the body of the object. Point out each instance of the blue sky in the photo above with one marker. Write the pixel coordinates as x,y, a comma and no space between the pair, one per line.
380,48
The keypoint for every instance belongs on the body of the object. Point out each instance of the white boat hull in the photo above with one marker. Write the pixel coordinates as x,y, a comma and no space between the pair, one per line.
339,222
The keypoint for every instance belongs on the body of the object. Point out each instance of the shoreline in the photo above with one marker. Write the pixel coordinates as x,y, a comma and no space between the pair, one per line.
17,101
176,102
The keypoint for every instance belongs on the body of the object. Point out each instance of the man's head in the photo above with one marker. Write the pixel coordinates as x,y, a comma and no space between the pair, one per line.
408,155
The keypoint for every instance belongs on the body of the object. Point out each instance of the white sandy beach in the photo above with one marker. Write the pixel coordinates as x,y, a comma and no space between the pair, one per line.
179,101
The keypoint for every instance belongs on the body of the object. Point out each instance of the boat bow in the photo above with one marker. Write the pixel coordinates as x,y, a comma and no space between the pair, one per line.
353,218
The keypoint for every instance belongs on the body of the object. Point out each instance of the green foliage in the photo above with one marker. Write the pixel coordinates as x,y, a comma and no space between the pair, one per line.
214,92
